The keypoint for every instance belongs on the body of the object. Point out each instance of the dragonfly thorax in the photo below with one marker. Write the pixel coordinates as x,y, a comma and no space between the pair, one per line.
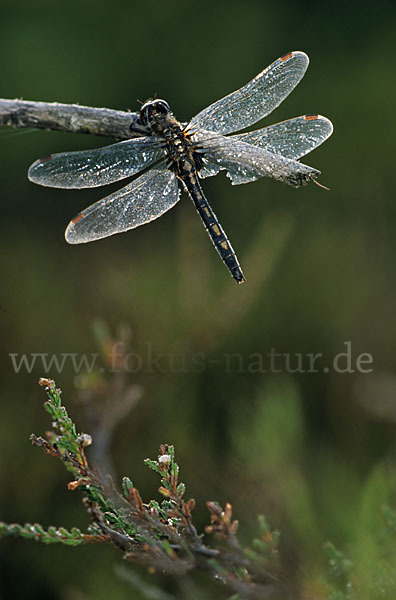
157,118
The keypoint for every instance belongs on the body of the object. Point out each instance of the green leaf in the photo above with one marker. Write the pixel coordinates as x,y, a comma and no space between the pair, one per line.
153,464
127,485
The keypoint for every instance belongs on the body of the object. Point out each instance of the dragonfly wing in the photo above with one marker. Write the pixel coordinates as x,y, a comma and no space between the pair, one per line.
142,201
245,162
256,99
293,138
209,169
93,168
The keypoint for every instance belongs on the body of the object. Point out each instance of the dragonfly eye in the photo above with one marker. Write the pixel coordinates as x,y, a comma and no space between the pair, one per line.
153,108
161,106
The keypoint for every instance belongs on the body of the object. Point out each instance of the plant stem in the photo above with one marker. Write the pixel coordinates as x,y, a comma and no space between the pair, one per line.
72,118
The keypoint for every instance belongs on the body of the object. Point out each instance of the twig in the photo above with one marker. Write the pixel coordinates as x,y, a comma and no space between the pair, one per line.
72,118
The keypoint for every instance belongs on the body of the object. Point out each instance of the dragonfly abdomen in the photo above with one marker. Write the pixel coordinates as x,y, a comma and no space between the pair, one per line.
184,162
213,227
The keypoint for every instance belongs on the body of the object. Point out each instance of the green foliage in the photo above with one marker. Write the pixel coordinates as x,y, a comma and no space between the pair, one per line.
52,535
366,570
159,535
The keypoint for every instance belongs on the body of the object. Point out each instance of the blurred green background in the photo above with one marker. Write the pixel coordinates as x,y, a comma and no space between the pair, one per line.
313,451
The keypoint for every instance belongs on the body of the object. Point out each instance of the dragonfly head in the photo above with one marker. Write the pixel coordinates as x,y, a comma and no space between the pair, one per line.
152,115
153,109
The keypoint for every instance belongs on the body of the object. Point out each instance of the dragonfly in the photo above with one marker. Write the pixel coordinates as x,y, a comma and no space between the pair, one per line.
170,155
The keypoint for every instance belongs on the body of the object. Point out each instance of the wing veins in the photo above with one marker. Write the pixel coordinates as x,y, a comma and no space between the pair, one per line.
99,166
256,99
143,200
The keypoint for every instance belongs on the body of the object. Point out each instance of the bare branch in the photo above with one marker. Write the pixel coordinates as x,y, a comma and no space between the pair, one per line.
72,118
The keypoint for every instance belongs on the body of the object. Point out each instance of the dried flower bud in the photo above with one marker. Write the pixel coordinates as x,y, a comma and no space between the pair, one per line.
164,448
138,499
48,383
164,460
84,439
73,485
162,490
191,504
154,512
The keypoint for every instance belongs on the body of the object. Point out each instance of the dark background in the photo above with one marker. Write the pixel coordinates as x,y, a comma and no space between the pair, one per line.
313,451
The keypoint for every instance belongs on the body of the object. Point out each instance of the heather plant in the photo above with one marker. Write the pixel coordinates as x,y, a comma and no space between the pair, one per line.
159,534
